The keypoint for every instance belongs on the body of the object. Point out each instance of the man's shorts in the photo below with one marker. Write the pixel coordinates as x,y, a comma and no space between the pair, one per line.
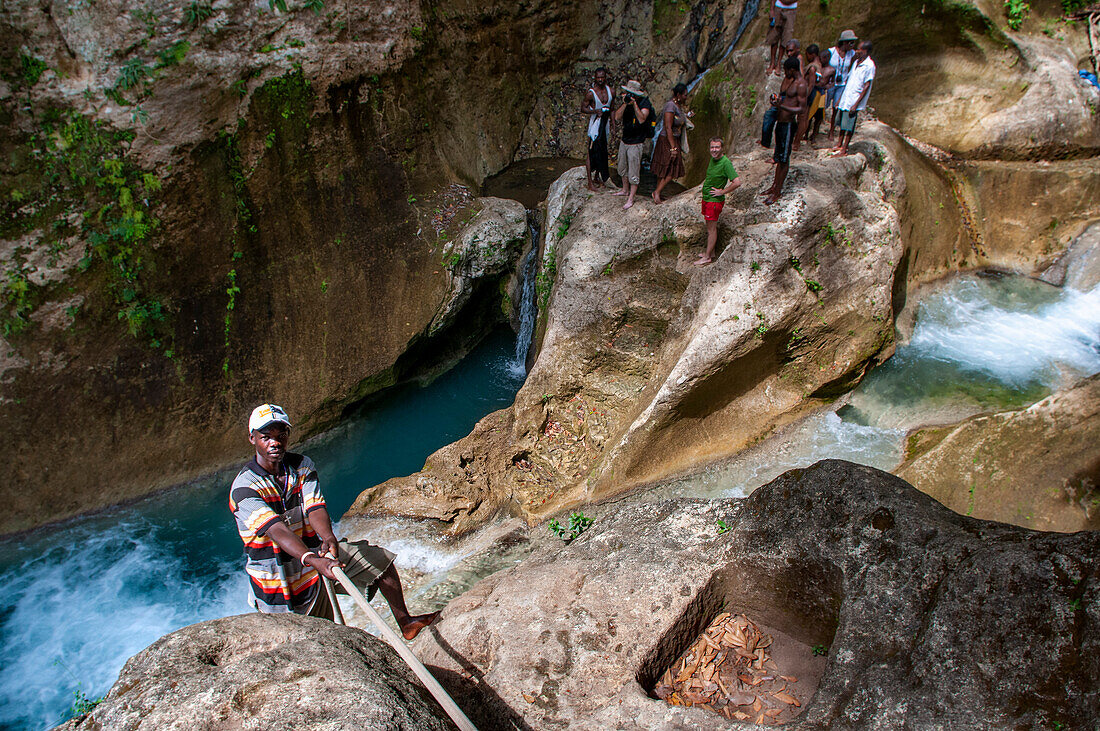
782,29
833,99
630,162
848,121
785,133
711,209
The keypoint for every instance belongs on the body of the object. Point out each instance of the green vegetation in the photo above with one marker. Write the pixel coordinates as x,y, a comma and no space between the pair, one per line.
82,185
1069,6
173,54
132,73
722,527
563,226
197,13
277,5
578,523
417,32
755,266
544,282
31,69
813,285
231,292
820,650
315,5
610,265
795,264
1016,11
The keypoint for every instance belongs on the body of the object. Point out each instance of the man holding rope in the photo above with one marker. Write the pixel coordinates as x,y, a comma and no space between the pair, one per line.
287,533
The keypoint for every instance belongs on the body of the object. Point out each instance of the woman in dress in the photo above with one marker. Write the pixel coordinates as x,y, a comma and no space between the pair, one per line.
668,156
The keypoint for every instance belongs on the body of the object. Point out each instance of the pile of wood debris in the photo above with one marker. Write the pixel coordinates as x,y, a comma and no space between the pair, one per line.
730,671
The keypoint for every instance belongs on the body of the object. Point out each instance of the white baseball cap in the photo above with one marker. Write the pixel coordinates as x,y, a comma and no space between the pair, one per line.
267,414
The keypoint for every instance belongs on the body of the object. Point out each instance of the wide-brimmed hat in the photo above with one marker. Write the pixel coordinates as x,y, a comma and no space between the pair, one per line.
265,415
633,87
848,35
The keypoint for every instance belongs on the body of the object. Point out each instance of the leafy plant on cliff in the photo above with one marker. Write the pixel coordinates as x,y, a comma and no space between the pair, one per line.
84,187
16,295
231,293
1016,11
544,282
31,69
315,5
197,13
578,523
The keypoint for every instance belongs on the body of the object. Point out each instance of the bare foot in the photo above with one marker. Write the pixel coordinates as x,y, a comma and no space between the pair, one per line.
657,198
768,192
703,261
628,204
412,628
772,199
620,191
593,188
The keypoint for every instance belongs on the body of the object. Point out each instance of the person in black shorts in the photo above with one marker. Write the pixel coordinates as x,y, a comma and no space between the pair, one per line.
793,93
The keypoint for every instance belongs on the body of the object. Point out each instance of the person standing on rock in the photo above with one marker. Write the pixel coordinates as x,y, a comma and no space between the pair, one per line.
854,99
636,114
792,102
780,30
721,179
597,105
672,145
287,534
842,56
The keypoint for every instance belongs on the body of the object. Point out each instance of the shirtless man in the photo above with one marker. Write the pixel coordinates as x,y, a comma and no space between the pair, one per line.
793,92
597,106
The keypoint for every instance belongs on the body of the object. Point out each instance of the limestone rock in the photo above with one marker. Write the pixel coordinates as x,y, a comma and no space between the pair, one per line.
1079,267
264,671
1037,467
930,619
649,364
487,247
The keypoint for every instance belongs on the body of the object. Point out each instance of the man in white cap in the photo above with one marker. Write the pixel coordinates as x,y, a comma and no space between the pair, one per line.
637,115
287,534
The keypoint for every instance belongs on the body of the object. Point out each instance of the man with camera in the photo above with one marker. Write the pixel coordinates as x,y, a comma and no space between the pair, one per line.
638,119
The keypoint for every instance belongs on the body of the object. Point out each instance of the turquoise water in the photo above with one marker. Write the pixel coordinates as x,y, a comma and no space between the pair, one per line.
979,344
80,599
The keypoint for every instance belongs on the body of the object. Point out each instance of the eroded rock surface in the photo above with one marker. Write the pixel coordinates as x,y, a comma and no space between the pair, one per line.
263,671
931,619
1036,467
649,364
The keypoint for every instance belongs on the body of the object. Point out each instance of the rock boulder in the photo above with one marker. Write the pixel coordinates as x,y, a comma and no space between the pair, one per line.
931,619
259,671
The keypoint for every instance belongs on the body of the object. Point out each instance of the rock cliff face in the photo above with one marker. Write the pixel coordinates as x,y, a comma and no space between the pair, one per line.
265,671
214,205
930,619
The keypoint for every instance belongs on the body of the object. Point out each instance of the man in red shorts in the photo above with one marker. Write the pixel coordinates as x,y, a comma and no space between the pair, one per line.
721,179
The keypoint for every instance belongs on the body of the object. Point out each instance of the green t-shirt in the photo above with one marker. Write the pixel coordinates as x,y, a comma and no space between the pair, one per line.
719,173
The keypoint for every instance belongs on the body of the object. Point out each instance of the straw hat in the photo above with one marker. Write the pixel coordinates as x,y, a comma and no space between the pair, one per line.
848,35
633,87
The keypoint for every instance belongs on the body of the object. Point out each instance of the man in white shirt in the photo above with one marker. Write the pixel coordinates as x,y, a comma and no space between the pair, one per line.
780,31
854,99
841,56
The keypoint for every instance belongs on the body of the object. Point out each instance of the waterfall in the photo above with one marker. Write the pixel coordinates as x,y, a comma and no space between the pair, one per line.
528,304
747,14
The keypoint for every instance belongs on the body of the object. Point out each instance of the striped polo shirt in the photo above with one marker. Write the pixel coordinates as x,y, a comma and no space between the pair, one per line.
279,582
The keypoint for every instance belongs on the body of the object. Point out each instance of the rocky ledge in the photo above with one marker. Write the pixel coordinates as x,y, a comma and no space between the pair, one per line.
931,619
262,671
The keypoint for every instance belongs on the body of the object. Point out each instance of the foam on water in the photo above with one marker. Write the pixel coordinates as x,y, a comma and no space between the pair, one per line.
1020,332
78,608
